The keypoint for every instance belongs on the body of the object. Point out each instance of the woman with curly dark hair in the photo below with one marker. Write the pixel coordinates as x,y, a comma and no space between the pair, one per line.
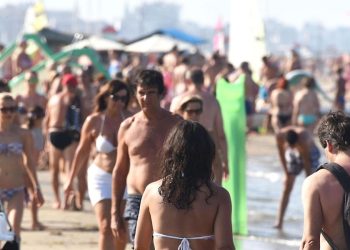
186,207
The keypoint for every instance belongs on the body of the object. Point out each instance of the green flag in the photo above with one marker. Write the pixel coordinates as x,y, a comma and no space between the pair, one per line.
231,99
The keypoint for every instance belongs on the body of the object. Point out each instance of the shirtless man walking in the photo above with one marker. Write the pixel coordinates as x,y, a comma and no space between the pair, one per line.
140,138
63,124
211,119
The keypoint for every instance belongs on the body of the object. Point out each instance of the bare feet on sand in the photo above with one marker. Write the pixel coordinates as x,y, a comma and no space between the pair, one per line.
38,226
56,205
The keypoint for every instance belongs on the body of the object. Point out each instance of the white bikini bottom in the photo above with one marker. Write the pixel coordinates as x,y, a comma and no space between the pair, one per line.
99,184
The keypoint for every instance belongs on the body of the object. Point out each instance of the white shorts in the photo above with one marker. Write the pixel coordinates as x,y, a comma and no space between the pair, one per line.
99,184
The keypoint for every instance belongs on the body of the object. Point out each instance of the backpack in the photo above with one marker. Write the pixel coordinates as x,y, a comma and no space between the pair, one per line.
73,114
74,118
344,179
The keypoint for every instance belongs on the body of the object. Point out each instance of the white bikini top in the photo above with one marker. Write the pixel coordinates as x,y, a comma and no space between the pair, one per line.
185,244
103,145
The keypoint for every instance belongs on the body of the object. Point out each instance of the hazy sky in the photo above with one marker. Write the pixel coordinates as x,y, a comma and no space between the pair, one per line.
330,13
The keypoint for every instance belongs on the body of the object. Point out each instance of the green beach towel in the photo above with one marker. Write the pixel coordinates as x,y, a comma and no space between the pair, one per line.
231,99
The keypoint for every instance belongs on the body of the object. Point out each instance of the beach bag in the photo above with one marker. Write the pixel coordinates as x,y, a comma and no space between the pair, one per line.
6,233
344,179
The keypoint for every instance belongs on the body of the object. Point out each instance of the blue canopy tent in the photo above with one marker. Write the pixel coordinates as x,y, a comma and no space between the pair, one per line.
164,40
180,35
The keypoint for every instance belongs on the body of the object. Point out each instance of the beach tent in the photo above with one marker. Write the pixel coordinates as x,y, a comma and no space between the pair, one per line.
16,82
96,43
163,41
47,40
39,41
55,38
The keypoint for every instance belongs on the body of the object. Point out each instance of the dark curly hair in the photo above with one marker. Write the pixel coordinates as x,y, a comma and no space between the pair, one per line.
108,89
188,154
335,128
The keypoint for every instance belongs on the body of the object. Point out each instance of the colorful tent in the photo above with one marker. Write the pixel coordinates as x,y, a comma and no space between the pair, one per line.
96,43
163,41
157,44
16,82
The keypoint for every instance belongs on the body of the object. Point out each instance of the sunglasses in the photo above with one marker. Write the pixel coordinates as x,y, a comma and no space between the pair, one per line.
194,111
122,98
8,109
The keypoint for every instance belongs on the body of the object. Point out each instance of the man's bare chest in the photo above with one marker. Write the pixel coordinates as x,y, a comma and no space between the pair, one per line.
146,141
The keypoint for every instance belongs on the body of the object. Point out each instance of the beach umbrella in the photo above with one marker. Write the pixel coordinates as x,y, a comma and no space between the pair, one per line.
95,42
294,77
158,43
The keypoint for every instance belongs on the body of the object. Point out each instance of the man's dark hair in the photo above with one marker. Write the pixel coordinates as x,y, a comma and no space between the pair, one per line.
187,159
197,76
150,78
335,128
291,137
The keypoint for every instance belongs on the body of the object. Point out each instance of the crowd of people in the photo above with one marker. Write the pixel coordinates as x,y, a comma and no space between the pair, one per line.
134,143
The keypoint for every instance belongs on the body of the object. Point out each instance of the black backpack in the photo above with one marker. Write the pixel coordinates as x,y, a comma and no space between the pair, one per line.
344,179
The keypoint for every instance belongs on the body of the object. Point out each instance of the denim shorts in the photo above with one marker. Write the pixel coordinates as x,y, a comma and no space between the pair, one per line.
131,213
